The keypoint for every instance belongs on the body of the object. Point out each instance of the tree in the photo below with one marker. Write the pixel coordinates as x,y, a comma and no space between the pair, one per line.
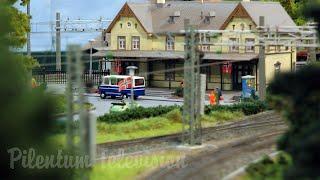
26,118
294,9
297,96
18,29
312,11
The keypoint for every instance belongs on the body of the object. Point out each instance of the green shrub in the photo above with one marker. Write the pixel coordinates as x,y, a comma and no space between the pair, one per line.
248,108
174,115
60,104
136,113
222,116
178,92
268,168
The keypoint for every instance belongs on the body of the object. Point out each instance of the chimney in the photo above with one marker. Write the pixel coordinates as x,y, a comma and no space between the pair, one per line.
160,3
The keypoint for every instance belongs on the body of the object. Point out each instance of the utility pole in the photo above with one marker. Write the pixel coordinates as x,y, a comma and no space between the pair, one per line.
191,122
91,41
262,62
87,121
71,56
58,41
28,34
131,74
203,84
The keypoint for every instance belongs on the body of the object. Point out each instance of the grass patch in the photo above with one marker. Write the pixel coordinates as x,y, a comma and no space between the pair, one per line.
217,117
60,104
131,167
149,127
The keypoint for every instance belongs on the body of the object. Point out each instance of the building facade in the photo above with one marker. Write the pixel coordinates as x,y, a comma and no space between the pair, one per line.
151,37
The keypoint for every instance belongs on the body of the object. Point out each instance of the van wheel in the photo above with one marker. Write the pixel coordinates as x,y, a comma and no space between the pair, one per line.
122,96
135,97
113,97
103,95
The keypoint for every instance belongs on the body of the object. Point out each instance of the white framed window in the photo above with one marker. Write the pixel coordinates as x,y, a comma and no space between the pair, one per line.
170,43
234,47
121,42
135,43
250,44
205,38
205,48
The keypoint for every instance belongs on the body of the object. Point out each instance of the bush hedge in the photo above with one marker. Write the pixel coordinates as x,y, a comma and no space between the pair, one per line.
136,113
248,108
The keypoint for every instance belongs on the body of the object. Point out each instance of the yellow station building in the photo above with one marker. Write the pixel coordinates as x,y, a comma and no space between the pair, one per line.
150,36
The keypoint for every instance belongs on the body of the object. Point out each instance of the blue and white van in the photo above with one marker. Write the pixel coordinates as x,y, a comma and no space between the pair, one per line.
110,88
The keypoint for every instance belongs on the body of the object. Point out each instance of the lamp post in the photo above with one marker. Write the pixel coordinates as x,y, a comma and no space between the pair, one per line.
277,68
91,41
131,74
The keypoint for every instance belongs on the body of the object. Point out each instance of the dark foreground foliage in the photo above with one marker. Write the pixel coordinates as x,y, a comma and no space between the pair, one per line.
269,168
297,96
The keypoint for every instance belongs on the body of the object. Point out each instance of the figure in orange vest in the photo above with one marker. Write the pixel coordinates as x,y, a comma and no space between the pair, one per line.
212,98
33,83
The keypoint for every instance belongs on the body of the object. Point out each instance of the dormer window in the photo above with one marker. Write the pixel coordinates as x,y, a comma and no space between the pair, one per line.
208,18
136,25
250,27
171,20
176,14
121,25
234,27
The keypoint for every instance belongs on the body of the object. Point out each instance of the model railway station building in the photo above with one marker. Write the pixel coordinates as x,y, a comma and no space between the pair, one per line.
150,36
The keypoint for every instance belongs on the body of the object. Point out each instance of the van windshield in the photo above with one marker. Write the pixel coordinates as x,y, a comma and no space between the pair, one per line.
139,82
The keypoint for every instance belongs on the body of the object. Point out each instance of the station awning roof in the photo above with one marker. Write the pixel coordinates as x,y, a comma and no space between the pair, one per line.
171,55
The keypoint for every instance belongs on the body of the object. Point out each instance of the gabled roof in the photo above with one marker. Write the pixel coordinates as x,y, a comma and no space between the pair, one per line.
132,10
238,12
155,19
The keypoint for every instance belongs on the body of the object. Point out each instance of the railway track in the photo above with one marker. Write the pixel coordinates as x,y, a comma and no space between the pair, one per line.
256,122
214,164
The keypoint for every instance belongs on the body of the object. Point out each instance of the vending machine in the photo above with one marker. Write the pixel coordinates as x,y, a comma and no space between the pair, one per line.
248,86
